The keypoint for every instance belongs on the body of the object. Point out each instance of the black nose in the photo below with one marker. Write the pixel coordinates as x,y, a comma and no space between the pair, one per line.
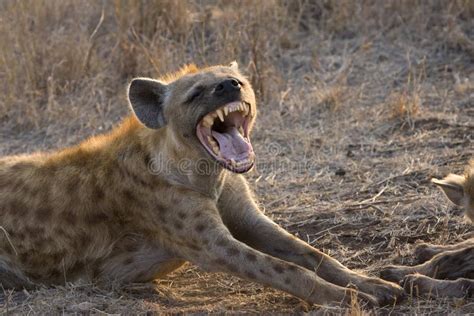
228,85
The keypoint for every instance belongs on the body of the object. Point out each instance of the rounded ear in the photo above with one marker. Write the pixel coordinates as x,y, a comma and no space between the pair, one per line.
234,66
453,187
146,97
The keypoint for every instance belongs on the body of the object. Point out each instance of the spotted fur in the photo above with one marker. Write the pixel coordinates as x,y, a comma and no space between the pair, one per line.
119,207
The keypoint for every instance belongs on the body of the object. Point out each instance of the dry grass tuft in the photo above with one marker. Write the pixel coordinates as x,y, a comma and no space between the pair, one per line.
405,106
331,97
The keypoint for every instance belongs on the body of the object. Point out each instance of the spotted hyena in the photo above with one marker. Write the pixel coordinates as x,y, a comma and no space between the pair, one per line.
444,270
162,188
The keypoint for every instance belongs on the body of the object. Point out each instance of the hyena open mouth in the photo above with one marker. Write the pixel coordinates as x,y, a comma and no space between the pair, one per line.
225,135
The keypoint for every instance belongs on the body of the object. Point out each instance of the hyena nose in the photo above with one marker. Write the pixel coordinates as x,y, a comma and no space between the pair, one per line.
228,85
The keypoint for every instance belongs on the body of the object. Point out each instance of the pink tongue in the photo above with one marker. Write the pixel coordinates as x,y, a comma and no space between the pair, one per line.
233,145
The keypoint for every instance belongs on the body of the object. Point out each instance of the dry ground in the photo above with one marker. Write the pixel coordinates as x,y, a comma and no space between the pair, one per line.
361,103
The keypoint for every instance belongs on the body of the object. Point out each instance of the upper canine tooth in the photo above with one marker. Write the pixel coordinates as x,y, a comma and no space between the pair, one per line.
220,114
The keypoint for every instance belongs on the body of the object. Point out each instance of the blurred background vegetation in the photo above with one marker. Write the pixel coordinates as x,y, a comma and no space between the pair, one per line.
60,59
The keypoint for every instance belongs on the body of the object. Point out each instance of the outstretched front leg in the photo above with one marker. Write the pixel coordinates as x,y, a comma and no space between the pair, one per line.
446,265
198,235
249,225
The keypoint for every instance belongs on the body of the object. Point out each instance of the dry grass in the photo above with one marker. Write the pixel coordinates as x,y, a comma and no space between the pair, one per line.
361,103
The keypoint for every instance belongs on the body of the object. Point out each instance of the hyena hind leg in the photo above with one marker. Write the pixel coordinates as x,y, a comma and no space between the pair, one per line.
12,277
421,285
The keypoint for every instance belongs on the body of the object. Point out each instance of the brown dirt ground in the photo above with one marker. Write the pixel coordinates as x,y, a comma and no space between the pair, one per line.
352,128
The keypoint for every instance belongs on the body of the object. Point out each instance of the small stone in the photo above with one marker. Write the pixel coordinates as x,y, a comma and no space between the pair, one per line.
340,172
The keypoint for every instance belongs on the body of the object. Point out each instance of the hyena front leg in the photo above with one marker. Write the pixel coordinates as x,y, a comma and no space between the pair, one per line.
248,224
421,285
202,238
424,251
446,265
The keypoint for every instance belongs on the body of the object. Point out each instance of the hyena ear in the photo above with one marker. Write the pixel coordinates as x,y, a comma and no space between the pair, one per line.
453,187
234,66
146,97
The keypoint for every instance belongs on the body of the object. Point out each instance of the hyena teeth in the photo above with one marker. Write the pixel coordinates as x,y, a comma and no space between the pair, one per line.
226,110
208,121
213,145
246,109
206,124
220,114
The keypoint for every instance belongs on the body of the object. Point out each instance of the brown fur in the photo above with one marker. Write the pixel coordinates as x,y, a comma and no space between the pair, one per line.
118,208
445,263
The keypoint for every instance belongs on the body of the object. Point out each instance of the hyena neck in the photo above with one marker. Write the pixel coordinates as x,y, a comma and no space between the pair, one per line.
178,163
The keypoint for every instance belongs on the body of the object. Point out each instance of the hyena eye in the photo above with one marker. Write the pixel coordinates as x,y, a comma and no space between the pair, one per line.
197,92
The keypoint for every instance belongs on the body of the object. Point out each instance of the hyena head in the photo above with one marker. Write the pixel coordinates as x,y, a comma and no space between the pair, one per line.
460,189
211,110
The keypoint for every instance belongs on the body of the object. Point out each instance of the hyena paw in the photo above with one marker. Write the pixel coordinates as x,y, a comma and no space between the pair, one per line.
424,252
395,273
418,284
385,292
340,296
366,301
414,284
